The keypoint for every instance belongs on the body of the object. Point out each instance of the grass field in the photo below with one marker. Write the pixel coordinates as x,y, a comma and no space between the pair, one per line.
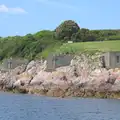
102,46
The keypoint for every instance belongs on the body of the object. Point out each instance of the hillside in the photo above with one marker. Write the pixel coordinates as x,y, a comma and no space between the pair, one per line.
42,43
102,46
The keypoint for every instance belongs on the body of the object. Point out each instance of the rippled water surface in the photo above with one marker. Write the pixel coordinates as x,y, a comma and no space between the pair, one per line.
27,107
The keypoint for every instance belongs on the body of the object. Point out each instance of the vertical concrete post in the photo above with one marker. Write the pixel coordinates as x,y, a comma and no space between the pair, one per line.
54,62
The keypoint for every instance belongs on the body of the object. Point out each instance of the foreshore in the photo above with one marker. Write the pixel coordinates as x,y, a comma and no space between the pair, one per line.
82,78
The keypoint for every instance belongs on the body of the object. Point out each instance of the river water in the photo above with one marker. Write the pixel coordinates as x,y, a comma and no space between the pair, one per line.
30,107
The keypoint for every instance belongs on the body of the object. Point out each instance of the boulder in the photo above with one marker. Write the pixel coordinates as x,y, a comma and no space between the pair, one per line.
23,79
17,83
32,71
30,65
39,78
19,70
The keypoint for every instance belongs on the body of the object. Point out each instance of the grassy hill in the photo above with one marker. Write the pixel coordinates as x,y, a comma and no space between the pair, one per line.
102,46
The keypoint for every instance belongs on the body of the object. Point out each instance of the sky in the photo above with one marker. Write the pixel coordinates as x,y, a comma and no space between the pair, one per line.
20,17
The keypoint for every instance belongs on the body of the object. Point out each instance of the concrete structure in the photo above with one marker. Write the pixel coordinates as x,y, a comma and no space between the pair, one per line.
13,63
111,60
55,61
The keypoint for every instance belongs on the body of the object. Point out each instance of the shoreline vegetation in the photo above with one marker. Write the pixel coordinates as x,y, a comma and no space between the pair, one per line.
84,77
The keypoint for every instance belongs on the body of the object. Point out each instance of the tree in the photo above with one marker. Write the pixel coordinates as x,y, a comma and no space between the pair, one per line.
76,37
29,37
44,35
66,29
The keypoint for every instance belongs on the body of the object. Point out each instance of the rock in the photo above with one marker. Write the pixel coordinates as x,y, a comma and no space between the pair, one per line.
84,77
104,87
73,62
39,78
56,92
9,87
32,71
45,65
116,85
19,70
111,79
22,90
22,80
30,65
17,83
25,78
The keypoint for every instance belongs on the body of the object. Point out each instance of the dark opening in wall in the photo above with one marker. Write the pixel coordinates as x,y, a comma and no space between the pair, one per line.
103,61
118,59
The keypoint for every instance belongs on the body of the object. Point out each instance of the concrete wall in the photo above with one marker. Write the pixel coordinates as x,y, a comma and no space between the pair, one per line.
50,63
63,60
111,59
13,63
107,59
54,62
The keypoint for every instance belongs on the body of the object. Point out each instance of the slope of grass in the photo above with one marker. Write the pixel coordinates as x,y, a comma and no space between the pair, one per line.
49,50
102,46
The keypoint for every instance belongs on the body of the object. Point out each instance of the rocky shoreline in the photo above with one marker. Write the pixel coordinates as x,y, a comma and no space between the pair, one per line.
84,77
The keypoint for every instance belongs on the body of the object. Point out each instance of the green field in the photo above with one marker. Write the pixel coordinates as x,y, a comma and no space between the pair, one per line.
102,46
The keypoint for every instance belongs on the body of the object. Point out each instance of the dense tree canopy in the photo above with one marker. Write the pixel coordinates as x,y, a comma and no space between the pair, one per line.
66,29
44,35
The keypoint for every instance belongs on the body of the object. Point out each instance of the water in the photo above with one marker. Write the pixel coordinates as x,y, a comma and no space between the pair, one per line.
28,107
